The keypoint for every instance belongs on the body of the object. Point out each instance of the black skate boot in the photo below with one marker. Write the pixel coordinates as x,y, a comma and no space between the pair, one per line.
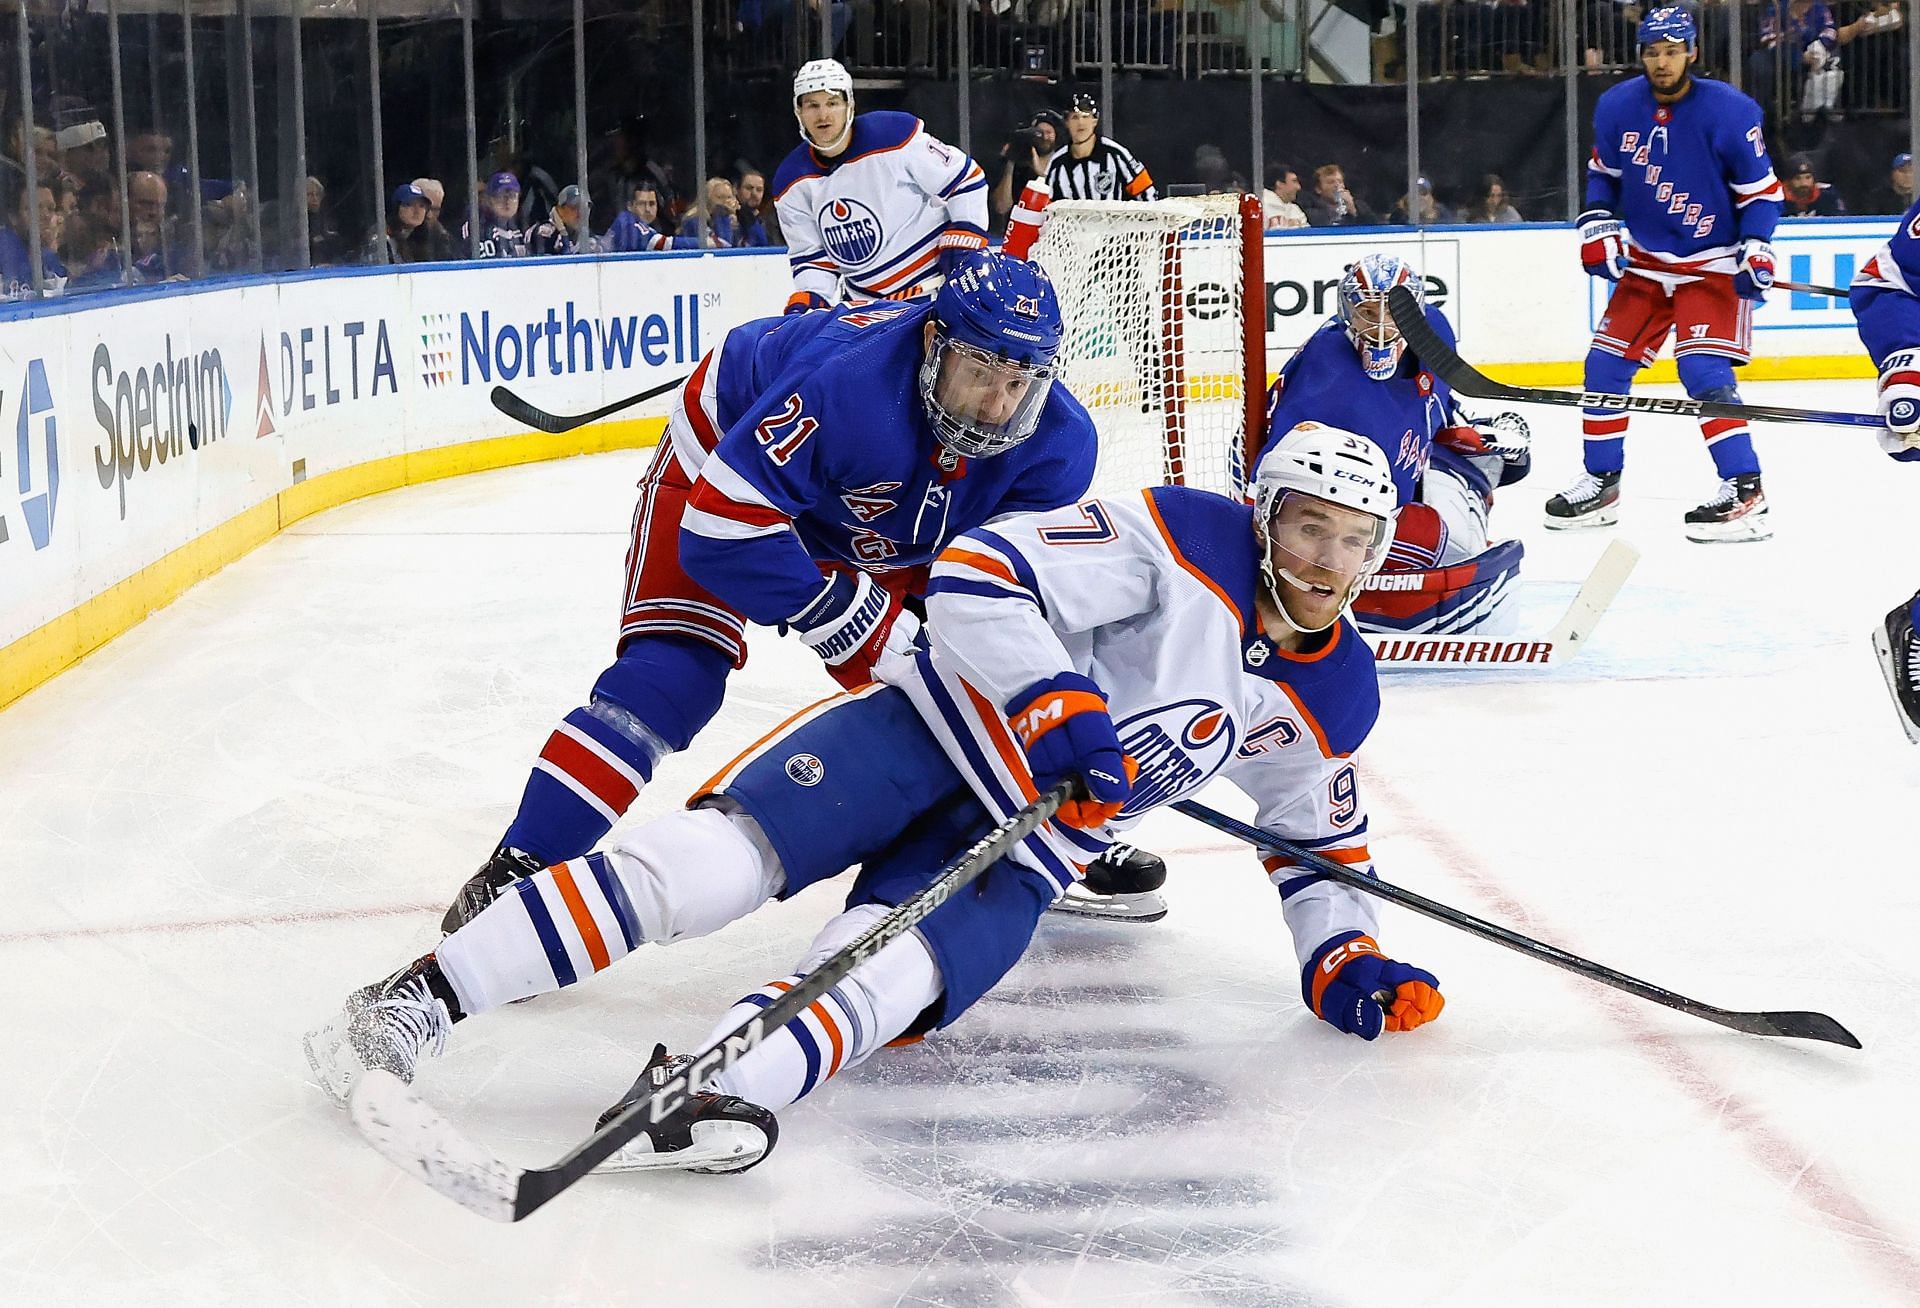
1592,501
1122,885
1737,511
389,1025
503,867
1899,649
711,1133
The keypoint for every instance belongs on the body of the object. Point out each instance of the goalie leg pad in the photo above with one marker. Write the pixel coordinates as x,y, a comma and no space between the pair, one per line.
1457,598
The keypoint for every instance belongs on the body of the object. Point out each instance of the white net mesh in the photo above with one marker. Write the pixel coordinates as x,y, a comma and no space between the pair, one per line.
1154,301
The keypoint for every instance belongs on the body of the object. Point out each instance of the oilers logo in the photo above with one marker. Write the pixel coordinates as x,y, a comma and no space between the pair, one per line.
1178,747
851,232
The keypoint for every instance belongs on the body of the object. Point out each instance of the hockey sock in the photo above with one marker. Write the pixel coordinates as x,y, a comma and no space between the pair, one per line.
876,1002
1728,440
1605,430
684,875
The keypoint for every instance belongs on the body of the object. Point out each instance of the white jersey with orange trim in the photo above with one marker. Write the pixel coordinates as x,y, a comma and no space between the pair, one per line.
879,213
1151,595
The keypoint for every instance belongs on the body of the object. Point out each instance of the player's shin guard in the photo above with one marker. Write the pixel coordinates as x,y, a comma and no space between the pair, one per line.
1710,378
1605,430
685,875
877,1002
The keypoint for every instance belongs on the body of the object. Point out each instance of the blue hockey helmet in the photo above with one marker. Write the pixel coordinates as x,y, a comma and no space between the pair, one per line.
1668,23
1363,310
987,374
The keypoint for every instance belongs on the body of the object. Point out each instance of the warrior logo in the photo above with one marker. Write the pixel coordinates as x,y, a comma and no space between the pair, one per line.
851,232
1178,747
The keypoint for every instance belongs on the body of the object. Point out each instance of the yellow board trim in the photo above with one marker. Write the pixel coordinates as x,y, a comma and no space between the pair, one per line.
1806,367
49,650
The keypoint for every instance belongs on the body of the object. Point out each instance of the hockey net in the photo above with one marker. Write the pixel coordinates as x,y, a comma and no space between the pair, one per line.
1165,334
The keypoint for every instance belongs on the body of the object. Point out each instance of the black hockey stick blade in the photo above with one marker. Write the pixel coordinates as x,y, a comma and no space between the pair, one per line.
1465,379
413,1136
539,419
1793,1025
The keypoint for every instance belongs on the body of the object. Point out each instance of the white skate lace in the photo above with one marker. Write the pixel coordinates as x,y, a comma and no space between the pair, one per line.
1727,494
411,1020
1585,487
1118,852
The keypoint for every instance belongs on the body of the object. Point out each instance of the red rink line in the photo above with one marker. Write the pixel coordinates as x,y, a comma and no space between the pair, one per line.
312,917
1779,1156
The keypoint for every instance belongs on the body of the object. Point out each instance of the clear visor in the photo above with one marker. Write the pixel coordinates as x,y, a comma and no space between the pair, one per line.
1323,552
979,403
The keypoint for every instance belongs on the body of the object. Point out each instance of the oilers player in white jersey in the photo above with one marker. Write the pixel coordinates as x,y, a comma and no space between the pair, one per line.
1885,296
1146,643
812,469
1441,575
1681,206
871,203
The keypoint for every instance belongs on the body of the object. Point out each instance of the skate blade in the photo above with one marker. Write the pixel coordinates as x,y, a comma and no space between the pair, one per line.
336,1068
1737,532
1883,654
1147,906
718,1147
1585,522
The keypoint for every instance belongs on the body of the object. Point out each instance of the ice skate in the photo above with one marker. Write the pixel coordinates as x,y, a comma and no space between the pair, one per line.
1899,650
1121,885
712,1133
1592,501
502,868
1737,512
390,1025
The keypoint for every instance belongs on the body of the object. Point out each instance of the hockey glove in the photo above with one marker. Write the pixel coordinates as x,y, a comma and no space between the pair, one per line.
1755,277
955,244
857,628
1062,722
1603,245
801,301
1900,404
1348,979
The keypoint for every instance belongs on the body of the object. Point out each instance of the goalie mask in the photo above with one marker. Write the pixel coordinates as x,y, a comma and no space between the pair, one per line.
989,366
1363,311
1324,507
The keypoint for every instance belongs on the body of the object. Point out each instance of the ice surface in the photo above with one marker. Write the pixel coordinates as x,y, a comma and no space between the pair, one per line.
265,794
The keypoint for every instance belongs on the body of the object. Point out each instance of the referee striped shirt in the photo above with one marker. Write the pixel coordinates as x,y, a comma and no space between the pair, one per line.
1110,172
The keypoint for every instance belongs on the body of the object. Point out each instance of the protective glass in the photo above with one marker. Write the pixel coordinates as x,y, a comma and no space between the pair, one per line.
979,403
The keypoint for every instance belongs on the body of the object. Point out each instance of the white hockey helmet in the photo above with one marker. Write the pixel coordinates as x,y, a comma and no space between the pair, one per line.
1336,467
824,75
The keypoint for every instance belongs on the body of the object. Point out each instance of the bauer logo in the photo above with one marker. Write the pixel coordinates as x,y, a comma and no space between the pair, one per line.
1177,746
806,769
851,232
554,341
36,457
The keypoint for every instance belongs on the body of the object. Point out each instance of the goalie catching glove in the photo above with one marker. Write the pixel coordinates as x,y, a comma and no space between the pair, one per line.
857,628
1352,985
1063,725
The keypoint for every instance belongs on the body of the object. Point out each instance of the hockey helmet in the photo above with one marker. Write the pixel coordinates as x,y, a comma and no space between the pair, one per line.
989,368
824,75
1668,23
1363,310
1316,549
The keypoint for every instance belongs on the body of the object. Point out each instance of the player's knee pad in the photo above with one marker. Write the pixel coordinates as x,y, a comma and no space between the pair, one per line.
691,872
1705,376
886,994
1419,539
672,687
1609,373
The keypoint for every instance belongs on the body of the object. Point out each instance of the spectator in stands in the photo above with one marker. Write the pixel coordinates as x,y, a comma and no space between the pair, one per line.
1330,203
438,237
16,248
83,148
623,164
499,229
1210,166
1279,203
324,244
757,219
228,231
406,239
1798,41
1023,157
635,228
560,233
1095,167
90,252
1897,195
1427,211
1804,197
721,210
1491,203
158,253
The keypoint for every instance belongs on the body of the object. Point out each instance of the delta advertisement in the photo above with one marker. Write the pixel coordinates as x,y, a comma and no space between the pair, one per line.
139,424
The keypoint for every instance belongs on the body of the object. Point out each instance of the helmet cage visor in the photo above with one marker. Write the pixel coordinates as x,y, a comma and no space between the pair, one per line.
1375,335
981,403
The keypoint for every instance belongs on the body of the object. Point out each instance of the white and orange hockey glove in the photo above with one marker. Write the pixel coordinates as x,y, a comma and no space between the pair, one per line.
1063,725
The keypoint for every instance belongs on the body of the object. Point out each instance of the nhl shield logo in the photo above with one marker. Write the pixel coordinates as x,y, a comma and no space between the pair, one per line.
806,769
851,232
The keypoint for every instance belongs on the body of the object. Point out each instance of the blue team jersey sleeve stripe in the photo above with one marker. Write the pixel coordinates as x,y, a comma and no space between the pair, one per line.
981,589
1021,568
563,973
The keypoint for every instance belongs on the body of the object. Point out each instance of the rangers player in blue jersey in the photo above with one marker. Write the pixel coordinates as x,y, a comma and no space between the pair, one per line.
813,467
1886,305
1681,204
1440,574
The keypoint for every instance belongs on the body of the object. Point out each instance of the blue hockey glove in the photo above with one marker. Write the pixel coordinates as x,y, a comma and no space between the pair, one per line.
855,625
1755,277
1603,244
1062,723
1352,985
1900,404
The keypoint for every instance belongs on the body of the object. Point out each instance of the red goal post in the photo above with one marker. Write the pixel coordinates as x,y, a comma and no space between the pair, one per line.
1165,309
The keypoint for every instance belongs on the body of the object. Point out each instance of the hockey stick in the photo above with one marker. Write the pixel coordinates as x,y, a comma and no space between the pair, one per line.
1807,288
419,1141
520,411
1792,1025
1559,645
1467,380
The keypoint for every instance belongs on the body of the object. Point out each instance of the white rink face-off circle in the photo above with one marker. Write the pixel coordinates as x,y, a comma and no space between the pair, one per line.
263,796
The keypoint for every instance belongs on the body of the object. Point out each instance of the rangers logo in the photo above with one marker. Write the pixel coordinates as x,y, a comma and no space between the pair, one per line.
851,232
1178,747
806,769
868,502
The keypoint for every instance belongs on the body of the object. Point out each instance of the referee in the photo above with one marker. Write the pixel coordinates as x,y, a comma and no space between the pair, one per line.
1095,167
